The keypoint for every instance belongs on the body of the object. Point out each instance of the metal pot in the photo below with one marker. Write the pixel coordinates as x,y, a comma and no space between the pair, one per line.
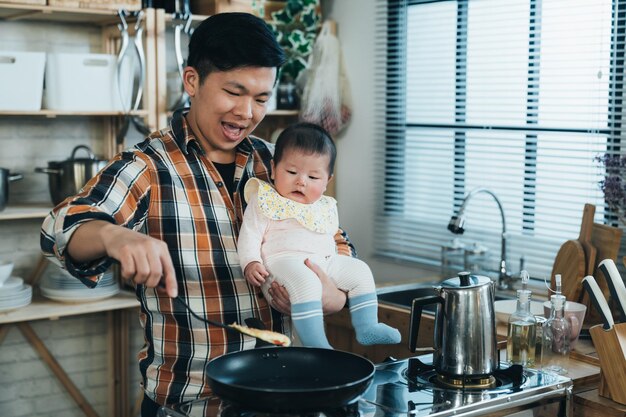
5,178
66,178
465,328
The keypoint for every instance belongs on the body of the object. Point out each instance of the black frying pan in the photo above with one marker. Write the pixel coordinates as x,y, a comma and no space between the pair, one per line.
290,379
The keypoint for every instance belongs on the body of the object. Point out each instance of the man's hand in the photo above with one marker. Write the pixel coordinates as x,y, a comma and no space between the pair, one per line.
143,259
255,273
333,299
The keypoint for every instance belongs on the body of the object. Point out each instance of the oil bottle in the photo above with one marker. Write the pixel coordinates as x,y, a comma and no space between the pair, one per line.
556,335
521,335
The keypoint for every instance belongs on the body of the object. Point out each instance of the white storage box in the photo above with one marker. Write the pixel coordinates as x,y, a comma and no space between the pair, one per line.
87,82
21,80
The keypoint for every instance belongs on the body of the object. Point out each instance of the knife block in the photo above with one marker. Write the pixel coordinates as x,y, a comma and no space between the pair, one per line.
611,348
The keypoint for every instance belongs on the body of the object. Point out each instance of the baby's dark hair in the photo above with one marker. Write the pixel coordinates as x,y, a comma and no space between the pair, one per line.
308,138
227,41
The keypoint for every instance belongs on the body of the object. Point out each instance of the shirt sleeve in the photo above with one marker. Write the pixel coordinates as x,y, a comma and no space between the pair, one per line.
253,229
118,194
344,246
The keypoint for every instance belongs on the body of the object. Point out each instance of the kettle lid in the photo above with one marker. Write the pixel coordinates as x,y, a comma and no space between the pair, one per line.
466,280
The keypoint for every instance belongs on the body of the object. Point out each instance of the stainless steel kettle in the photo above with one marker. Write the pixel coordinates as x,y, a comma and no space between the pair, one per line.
465,327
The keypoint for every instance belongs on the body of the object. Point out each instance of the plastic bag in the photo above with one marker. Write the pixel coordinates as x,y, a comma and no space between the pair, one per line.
326,99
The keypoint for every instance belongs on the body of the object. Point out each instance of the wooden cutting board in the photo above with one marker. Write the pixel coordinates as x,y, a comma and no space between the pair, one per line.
570,263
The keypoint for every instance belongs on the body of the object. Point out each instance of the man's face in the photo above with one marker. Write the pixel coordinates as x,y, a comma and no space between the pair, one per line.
227,107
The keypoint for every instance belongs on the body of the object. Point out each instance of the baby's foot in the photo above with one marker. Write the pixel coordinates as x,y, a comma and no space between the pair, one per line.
378,334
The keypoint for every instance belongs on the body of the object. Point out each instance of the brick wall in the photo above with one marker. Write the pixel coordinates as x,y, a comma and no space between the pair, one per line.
79,343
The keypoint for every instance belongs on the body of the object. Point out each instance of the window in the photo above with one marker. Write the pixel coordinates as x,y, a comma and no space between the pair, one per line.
516,96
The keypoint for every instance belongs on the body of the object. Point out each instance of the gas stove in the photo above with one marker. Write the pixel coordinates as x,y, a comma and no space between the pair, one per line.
411,388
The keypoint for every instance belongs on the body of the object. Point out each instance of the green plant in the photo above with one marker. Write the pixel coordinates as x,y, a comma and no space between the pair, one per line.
296,26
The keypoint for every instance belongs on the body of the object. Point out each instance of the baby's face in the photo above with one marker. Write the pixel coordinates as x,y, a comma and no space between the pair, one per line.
301,177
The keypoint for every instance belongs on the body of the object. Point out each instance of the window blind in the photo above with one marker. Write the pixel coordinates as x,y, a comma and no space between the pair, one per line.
516,96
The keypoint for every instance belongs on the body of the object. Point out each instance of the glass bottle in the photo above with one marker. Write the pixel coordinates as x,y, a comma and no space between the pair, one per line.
521,336
555,347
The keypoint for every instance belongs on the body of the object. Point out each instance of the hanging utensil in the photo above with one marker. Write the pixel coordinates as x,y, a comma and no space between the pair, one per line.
616,285
123,54
182,24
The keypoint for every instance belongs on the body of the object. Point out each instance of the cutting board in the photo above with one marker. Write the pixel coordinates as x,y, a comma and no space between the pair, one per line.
570,263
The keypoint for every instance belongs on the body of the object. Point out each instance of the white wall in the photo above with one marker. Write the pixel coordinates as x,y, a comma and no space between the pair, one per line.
357,145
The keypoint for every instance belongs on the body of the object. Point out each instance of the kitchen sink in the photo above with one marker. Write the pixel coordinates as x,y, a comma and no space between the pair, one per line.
404,294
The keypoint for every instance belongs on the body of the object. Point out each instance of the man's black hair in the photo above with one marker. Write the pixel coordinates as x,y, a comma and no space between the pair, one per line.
226,41
308,138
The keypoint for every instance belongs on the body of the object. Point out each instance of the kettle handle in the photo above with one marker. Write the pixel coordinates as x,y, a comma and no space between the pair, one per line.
416,315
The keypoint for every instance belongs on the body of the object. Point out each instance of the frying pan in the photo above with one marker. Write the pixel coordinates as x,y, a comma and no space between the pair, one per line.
290,379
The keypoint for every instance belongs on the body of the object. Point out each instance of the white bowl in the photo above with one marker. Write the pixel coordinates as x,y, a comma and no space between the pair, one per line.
6,267
504,309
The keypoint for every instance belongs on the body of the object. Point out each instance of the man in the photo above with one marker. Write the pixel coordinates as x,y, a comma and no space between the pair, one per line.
169,212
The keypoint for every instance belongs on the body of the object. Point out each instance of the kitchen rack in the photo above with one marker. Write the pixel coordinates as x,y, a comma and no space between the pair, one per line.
155,113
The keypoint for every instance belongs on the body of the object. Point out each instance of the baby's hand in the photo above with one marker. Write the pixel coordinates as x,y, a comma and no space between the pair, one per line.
255,273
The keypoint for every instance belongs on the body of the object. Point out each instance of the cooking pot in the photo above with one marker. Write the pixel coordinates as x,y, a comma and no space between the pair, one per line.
5,178
66,178
290,379
465,328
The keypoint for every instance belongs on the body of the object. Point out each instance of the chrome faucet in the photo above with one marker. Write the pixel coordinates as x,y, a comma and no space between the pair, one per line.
456,226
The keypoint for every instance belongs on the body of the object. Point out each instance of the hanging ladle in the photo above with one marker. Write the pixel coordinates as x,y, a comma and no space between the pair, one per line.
273,338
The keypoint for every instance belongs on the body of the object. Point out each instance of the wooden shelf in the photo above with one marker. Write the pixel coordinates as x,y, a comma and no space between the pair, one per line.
22,212
62,113
57,14
42,308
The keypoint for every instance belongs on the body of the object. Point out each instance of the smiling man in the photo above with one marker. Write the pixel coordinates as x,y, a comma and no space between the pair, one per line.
169,212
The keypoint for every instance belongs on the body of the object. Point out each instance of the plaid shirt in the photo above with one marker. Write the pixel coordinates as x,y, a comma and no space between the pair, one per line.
167,188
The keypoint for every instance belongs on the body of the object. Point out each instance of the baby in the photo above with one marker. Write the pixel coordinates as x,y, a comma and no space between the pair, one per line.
292,221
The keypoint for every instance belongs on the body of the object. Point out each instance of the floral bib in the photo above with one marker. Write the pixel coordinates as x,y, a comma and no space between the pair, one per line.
320,217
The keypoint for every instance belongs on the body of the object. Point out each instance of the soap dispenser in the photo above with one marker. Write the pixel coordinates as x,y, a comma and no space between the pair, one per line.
521,335
555,346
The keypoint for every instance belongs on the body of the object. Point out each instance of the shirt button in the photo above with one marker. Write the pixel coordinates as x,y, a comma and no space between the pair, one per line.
220,184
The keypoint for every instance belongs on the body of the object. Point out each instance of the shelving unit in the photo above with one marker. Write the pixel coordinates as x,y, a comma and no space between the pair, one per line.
156,114
118,307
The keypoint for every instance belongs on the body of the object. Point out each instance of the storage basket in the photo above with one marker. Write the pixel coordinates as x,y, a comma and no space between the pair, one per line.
86,82
38,2
21,80
98,4
211,7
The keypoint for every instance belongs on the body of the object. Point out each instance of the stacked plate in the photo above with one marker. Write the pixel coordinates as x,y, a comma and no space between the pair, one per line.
61,286
15,294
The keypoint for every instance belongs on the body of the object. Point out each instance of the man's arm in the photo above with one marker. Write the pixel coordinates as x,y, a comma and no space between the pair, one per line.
143,259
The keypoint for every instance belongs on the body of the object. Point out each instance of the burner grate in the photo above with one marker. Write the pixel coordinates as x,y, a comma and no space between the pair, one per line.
233,410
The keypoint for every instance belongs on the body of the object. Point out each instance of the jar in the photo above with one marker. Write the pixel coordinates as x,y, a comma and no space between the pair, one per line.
452,257
287,96
475,258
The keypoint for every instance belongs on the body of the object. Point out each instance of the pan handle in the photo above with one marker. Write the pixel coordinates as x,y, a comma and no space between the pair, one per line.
48,171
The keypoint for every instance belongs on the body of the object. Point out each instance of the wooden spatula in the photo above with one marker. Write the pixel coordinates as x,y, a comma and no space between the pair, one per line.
586,227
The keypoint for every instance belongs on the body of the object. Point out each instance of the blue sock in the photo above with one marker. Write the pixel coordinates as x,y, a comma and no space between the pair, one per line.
308,320
364,312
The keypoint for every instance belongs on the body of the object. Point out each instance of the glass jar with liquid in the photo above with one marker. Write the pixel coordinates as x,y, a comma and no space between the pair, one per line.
521,336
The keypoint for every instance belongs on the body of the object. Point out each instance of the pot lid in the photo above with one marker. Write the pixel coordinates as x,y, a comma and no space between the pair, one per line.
466,280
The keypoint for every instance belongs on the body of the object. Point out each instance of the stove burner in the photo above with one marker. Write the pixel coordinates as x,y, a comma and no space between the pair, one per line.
234,410
448,382
419,374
